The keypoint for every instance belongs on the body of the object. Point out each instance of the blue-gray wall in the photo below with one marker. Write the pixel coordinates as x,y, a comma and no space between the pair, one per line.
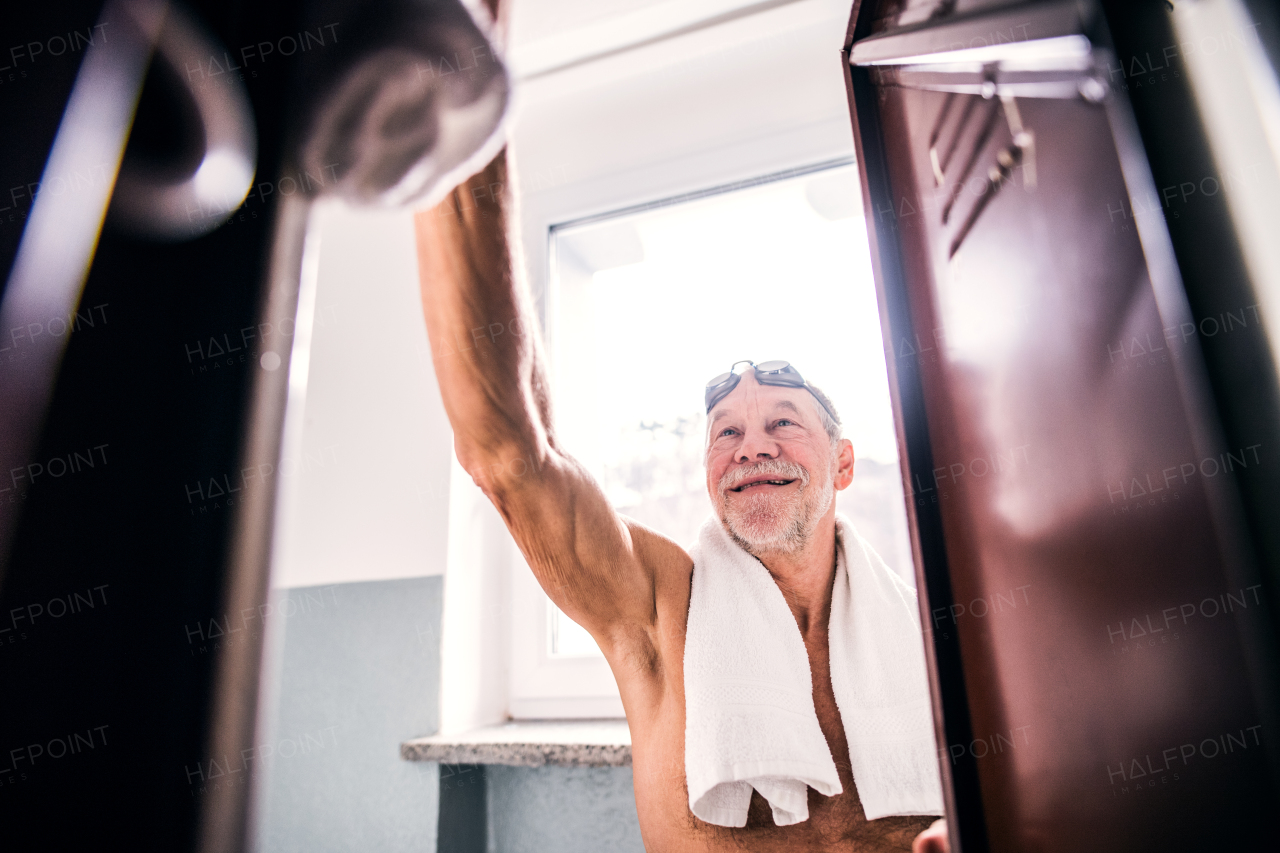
562,810
359,673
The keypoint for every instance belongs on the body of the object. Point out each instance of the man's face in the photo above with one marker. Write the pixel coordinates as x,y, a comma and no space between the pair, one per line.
772,472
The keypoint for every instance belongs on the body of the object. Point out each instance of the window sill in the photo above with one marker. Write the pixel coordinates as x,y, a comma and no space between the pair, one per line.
569,743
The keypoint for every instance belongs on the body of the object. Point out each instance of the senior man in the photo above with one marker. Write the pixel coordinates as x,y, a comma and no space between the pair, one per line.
722,654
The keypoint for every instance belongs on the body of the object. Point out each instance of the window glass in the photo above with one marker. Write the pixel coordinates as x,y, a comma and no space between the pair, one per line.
647,306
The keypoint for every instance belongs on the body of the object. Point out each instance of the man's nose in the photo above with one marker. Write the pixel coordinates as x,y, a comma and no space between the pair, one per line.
757,445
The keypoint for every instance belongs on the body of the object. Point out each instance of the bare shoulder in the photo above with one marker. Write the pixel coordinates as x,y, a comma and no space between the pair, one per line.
669,562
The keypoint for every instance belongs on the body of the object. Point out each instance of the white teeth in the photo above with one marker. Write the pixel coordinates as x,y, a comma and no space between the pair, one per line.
763,482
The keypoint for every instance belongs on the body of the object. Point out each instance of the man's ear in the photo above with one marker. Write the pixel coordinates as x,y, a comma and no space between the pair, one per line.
844,464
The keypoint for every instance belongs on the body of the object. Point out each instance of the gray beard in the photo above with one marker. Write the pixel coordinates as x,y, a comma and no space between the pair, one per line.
763,525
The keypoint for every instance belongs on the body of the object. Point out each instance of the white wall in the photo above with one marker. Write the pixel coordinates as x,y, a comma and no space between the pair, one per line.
369,498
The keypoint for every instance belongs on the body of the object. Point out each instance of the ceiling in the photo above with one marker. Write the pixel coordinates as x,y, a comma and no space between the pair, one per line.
549,35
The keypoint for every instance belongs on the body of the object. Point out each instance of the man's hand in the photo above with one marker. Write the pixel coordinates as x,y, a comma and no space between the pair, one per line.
933,840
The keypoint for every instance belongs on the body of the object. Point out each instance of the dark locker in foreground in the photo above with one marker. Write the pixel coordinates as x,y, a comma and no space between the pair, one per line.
1086,393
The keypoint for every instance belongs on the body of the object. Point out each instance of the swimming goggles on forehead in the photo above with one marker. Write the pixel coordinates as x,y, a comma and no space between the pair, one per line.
767,373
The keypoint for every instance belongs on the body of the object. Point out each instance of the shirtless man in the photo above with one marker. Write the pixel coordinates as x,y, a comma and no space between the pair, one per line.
626,584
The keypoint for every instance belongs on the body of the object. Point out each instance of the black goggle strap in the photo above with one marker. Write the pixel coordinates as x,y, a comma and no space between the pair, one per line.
791,379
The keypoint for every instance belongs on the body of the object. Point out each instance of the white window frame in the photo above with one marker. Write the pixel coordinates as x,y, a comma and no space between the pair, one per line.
545,687
781,67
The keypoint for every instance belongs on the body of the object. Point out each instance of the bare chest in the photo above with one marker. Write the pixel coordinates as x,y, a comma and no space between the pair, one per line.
662,799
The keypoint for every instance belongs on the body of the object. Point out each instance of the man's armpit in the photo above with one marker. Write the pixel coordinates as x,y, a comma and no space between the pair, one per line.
633,652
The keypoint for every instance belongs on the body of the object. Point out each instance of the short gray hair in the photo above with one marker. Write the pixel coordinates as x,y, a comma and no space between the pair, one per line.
828,414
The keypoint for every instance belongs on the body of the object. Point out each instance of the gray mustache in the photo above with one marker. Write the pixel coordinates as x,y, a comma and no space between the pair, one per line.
774,468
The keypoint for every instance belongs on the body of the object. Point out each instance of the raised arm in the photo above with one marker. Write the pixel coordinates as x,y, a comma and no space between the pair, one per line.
597,567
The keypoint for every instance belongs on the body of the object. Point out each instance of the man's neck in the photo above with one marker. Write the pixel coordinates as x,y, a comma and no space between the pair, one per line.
805,576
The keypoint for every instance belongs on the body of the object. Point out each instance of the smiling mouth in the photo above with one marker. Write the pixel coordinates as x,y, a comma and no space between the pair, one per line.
755,483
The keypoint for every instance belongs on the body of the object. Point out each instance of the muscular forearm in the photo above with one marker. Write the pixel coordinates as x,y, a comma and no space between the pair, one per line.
487,357
484,342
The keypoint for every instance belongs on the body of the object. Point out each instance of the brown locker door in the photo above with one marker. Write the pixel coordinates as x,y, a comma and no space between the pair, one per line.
1097,615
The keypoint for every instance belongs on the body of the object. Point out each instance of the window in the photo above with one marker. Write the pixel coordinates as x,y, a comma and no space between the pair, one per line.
646,305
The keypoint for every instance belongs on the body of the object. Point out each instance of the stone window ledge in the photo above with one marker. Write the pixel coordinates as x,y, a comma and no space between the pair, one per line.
563,743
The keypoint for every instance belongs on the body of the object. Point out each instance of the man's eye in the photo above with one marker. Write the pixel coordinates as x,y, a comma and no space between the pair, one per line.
727,431
784,421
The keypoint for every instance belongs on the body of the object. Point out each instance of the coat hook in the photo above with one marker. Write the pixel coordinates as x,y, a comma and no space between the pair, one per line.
1024,141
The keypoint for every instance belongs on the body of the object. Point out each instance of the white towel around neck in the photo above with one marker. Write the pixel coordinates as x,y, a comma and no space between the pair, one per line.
750,720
